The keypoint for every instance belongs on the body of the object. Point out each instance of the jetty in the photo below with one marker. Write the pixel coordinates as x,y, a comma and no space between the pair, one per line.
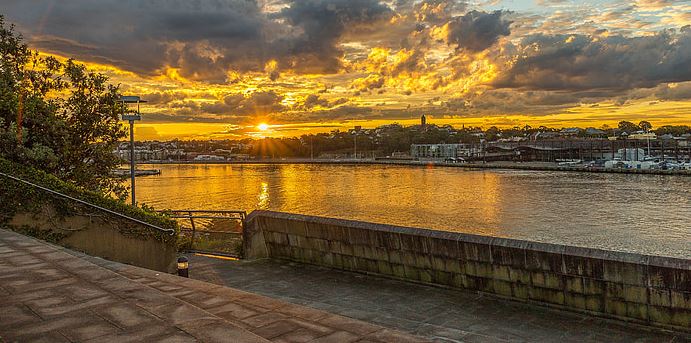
139,172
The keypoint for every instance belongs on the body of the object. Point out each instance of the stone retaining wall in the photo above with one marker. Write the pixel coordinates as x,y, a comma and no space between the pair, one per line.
646,289
99,234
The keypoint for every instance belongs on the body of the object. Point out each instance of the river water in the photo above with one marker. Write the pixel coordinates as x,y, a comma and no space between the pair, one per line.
637,213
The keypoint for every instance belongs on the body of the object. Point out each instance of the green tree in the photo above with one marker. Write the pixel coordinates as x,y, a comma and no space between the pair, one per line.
628,126
645,125
675,130
492,134
58,116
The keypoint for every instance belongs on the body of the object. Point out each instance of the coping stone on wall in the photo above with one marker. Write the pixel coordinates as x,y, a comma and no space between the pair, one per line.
616,256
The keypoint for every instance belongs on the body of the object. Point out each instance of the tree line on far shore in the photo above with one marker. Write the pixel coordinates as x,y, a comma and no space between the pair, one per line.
393,138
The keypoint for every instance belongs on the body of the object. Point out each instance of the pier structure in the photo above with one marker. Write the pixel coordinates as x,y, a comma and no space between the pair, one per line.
581,149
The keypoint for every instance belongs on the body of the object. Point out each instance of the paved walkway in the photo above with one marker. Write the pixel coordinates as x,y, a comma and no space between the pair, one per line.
51,294
438,314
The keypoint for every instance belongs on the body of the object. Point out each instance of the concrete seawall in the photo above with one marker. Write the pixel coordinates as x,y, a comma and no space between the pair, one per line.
649,290
411,163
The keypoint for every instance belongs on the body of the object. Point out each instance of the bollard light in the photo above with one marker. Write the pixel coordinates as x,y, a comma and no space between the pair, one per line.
183,266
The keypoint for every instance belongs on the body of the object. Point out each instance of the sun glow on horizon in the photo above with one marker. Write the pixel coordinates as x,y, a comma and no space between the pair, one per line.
263,127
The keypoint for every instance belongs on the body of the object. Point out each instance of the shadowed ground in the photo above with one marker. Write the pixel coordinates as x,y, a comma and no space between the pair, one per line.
435,313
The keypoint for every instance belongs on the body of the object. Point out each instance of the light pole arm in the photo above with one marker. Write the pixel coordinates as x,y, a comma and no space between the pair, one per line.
132,162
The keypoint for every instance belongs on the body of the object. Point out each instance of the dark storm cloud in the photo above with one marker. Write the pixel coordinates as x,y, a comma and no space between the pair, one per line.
476,31
579,62
143,36
533,102
234,106
680,91
314,100
321,24
156,98
241,105
203,39
516,102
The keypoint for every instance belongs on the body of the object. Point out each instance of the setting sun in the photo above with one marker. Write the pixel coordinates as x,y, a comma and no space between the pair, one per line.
263,127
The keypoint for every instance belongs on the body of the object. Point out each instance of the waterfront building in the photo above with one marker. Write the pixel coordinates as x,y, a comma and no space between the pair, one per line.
543,135
642,135
631,154
570,132
148,154
442,151
593,132
209,158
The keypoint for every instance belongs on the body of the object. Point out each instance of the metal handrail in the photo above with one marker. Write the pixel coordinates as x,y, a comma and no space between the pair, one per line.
209,231
191,215
172,231
203,217
242,214
206,214
206,211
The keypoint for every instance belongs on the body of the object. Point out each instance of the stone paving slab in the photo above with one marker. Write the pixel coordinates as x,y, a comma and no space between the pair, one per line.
272,319
50,295
438,314
53,294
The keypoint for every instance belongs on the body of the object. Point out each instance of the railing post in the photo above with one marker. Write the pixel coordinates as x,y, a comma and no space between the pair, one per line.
243,215
194,229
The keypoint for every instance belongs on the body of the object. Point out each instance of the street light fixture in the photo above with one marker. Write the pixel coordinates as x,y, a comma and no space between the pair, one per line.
131,117
355,132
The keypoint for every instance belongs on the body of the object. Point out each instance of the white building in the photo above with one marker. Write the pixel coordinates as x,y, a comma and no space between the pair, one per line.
442,151
209,158
630,154
642,135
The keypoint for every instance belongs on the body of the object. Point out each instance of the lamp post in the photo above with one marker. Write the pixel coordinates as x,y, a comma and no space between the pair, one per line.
356,130
131,117
355,149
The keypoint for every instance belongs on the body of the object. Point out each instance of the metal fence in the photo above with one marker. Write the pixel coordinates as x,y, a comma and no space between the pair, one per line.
209,231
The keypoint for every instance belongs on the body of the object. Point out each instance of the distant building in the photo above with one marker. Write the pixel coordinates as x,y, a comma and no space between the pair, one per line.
209,158
593,132
543,135
642,135
571,131
636,154
441,151
145,152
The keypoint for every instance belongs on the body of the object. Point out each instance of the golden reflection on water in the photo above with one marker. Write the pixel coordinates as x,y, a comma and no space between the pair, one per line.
263,197
638,213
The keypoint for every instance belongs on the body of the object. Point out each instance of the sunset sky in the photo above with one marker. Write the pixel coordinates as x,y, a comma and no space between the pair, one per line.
219,68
